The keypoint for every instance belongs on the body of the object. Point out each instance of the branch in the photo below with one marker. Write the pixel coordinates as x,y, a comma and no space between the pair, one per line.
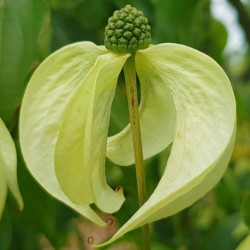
243,17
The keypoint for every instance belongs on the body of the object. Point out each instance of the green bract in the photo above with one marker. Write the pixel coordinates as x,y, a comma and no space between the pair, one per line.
186,98
8,164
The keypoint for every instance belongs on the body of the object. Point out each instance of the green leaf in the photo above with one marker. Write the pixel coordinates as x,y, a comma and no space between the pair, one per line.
216,46
245,209
21,23
204,133
156,102
245,244
222,234
49,91
119,117
182,21
5,231
8,163
90,16
81,146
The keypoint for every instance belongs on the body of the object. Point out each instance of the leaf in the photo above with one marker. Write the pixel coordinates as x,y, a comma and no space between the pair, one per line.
245,244
156,102
49,91
8,176
216,46
245,209
182,21
70,33
81,146
5,231
204,133
21,23
119,117
35,218
91,16
222,235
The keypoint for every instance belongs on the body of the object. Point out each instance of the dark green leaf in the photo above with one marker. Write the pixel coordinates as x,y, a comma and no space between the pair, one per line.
245,209
5,231
21,26
181,21
222,237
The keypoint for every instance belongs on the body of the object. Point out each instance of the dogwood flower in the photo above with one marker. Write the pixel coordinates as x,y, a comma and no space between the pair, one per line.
186,99
8,164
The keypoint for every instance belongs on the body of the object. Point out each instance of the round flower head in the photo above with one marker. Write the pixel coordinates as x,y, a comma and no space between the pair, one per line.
127,31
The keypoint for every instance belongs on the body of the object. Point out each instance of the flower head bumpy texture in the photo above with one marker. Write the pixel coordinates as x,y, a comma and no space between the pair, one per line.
127,31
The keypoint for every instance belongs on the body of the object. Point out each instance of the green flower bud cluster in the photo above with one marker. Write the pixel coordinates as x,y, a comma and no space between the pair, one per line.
127,31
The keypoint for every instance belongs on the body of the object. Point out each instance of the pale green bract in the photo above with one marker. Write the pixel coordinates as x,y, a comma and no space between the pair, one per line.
186,98
245,244
8,164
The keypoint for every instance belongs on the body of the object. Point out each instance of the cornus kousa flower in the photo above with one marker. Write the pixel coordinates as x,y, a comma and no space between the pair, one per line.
8,162
186,99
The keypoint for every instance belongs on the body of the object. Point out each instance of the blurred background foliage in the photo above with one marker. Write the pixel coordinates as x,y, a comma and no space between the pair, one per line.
32,29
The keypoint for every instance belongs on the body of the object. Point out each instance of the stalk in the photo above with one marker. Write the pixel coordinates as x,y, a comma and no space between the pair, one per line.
130,78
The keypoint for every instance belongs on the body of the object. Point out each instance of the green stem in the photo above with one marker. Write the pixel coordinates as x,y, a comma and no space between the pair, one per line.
130,78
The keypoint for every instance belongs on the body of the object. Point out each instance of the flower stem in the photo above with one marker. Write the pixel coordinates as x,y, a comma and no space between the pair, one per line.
130,78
